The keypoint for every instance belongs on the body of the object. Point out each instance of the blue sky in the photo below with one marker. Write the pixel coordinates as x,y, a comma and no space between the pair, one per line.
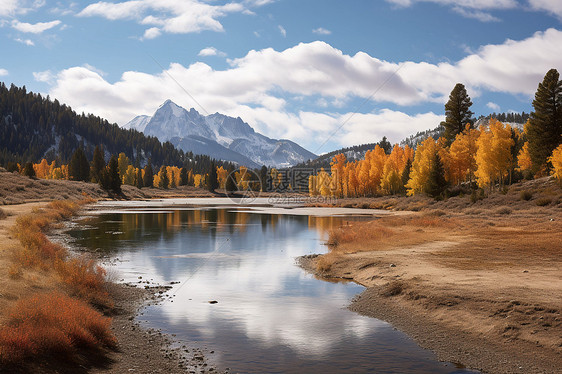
323,73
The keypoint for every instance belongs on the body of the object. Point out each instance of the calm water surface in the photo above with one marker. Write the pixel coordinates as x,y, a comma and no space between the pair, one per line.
271,316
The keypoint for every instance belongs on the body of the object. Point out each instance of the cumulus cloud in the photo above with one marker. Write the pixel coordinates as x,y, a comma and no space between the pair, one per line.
152,33
211,51
321,31
14,7
551,6
261,86
495,107
34,28
3,72
171,16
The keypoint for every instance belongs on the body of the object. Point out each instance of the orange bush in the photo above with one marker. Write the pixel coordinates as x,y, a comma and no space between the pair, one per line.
85,279
52,324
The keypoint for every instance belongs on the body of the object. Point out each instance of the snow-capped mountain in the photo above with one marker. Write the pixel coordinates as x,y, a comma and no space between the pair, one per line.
138,123
218,136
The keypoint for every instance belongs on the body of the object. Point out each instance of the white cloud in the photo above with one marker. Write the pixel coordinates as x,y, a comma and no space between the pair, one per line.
44,76
321,31
3,72
13,7
260,86
34,28
176,17
476,14
467,8
211,51
551,6
472,4
282,31
495,107
152,33
27,42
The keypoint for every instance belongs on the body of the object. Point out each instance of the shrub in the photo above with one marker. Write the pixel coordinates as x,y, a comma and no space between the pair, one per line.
503,210
55,325
3,214
526,195
85,279
544,201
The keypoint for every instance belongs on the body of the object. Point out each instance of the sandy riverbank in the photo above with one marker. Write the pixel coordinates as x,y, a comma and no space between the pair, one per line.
138,350
481,290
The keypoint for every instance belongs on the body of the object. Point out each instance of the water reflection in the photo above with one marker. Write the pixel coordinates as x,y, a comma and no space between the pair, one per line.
271,316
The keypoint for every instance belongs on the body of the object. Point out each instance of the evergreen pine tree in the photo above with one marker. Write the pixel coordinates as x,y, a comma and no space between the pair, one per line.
230,185
544,129
148,179
183,176
263,178
164,181
385,144
98,163
138,179
436,183
457,112
213,182
28,170
113,171
79,167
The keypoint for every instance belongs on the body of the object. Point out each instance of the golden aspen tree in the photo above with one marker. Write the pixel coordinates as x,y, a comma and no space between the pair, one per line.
375,160
312,191
338,166
421,167
197,180
130,175
556,161
391,182
123,163
41,169
493,156
222,174
462,155
524,158
353,180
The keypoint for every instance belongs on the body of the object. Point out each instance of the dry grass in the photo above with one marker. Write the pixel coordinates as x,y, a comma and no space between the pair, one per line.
383,234
85,279
81,275
52,324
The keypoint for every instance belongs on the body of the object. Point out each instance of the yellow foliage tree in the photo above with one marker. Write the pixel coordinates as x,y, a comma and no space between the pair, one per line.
462,161
556,161
130,176
493,157
421,167
222,174
524,158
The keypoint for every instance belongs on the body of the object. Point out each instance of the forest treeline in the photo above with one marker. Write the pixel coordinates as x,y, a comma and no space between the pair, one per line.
462,156
33,127
493,155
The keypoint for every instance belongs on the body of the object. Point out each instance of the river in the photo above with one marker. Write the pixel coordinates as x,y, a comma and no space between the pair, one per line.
237,291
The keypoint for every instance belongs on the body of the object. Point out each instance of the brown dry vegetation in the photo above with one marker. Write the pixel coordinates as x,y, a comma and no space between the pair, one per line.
38,320
19,189
481,284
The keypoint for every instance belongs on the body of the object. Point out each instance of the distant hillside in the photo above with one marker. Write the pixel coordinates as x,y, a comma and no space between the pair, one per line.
356,152
33,127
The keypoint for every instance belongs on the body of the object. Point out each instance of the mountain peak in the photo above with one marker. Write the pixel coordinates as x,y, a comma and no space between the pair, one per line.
224,136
